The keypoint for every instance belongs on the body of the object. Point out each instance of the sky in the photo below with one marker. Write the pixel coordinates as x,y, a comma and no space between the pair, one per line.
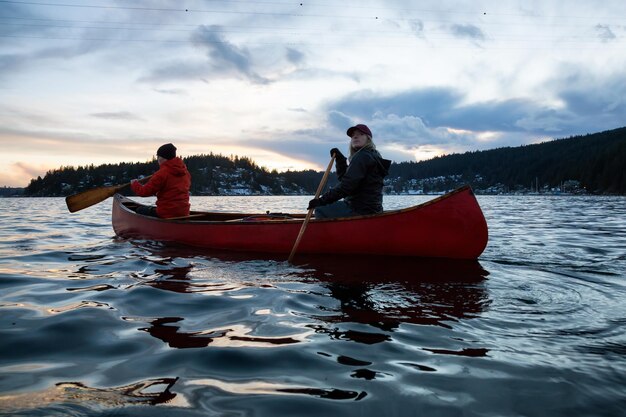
92,81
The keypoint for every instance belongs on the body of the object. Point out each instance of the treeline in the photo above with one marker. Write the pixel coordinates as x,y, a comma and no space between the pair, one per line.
595,161
211,175
11,191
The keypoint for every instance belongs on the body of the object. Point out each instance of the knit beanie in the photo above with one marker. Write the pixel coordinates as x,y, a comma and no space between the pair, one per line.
167,151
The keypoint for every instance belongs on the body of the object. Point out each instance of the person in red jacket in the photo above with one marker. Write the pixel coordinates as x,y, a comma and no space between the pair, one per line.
170,184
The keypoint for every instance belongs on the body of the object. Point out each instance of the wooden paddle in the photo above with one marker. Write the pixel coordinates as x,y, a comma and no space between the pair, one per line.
88,198
310,212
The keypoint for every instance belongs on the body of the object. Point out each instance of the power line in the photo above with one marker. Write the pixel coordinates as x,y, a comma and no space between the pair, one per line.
369,44
372,17
507,24
90,6
308,4
427,34
395,34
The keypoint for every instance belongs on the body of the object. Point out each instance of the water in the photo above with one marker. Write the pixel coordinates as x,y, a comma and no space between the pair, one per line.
95,325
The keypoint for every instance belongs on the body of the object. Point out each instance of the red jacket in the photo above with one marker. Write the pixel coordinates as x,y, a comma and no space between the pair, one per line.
171,185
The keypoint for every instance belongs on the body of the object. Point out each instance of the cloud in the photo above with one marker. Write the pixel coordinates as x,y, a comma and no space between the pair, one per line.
467,32
427,103
407,130
11,63
18,174
294,56
225,58
11,118
171,91
442,118
23,25
500,115
397,138
310,148
312,73
300,71
591,102
14,28
178,71
417,27
339,120
605,33
121,115
13,32
547,121
29,169
588,105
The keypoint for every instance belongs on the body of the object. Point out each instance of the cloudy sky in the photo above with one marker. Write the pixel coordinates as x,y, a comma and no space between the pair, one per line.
95,81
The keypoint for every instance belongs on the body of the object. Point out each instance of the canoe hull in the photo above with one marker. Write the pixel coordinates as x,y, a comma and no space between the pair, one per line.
451,226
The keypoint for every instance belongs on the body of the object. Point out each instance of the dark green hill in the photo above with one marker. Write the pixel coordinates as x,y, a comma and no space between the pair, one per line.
211,175
596,161
592,163
11,191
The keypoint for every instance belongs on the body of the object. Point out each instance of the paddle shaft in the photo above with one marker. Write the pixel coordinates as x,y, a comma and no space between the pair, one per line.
310,212
88,198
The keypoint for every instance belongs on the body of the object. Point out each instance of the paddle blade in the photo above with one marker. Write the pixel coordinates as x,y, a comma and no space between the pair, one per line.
88,198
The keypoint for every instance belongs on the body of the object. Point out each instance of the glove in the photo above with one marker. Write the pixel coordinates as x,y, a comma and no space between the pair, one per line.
337,153
316,202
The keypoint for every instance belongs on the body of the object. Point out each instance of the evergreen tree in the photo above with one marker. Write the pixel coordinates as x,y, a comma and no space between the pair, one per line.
595,161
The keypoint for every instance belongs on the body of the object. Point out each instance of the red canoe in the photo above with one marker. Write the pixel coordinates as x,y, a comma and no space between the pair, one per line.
450,226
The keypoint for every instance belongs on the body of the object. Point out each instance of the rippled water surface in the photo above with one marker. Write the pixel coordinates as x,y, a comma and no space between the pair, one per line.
96,325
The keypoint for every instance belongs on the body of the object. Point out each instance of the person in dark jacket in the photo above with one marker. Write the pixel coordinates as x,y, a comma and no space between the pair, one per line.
360,182
170,184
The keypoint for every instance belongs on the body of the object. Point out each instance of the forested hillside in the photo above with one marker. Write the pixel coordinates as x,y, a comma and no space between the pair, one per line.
597,161
211,175
593,163
11,191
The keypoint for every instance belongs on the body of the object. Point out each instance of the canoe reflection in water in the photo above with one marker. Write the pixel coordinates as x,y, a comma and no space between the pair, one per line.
378,291
384,293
